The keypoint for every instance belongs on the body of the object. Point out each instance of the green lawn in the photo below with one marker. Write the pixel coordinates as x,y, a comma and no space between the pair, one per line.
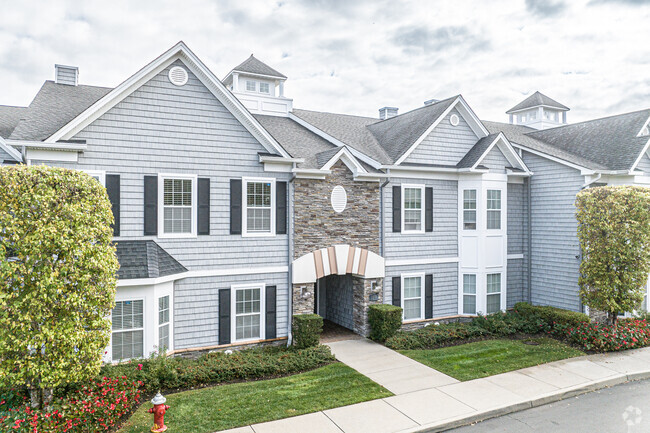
490,357
228,406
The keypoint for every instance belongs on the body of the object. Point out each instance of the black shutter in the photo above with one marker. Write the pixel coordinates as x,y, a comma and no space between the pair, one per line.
428,296
270,321
113,191
203,214
151,205
397,291
428,209
235,206
281,208
224,316
397,209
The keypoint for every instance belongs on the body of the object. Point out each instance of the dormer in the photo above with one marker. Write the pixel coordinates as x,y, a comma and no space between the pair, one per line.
259,87
538,111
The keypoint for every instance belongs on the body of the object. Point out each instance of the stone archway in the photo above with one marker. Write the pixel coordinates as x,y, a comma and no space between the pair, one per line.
364,268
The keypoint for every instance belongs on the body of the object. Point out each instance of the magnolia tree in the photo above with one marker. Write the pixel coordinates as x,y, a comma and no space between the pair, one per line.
614,234
58,272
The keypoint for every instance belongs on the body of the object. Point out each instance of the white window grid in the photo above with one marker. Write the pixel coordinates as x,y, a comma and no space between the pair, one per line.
469,294
251,86
265,88
493,293
163,322
177,204
493,209
469,209
248,307
412,296
413,208
131,328
259,207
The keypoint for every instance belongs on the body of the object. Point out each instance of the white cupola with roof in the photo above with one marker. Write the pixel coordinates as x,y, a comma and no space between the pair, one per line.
259,87
538,111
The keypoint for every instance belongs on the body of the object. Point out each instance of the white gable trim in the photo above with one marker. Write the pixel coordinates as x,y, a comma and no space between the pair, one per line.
645,125
11,151
182,52
348,159
643,152
507,150
583,170
362,156
470,117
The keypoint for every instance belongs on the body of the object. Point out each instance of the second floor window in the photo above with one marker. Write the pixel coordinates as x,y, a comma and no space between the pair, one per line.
177,206
413,208
469,209
494,209
264,88
258,218
251,86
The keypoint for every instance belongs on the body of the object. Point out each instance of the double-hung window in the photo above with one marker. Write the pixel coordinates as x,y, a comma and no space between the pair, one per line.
264,88
251,86
259,202
493,302
163,323
412,304
177,197
494,209
248,305
128,330
412,208
469,293
469,209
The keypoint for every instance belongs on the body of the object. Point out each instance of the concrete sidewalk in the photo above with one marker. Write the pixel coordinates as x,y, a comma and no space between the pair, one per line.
448,405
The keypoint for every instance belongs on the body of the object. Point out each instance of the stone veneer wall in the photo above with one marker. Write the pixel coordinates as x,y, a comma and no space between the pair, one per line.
364,290
339,300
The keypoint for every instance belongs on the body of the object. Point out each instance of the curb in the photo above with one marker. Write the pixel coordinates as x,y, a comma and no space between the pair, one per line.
552,397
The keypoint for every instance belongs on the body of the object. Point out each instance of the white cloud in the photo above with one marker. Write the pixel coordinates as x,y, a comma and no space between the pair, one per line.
353,56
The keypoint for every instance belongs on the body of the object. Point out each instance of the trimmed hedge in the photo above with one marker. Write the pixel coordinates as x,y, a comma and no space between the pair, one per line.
434,336
384,320
551,315
306,329
503,324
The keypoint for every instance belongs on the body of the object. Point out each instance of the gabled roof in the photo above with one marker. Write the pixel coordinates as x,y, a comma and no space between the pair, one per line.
9,118
477,151
254,66
53,107
145,259
535,100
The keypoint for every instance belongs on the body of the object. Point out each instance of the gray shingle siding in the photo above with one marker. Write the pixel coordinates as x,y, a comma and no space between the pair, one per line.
445,285
495,161
196,307
446,144
517,218
516,282
555,247
644,165
442,242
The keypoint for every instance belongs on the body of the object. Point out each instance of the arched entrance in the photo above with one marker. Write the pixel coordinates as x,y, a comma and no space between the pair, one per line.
339,283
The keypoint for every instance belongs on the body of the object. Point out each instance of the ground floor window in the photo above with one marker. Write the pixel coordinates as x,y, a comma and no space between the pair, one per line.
248,312
493,293
163,323
412,296
128,330
469,293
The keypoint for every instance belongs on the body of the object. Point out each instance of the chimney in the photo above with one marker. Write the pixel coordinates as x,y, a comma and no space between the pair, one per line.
387,112
431,101
68,75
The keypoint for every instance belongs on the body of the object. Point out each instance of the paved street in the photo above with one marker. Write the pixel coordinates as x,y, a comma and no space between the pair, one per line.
623,408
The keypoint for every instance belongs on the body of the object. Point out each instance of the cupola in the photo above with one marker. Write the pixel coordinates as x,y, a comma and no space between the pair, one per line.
538,111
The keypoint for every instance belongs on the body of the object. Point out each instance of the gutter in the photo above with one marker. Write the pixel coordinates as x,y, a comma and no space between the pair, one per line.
530,242
290,272
591,182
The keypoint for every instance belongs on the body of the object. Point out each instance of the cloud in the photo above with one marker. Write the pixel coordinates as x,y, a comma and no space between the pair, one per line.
623,2
441,38
545,8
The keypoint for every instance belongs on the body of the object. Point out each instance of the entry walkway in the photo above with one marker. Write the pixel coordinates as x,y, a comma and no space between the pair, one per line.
444,406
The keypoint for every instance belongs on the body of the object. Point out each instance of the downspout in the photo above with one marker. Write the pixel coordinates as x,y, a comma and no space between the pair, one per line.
530,242
290,273
381,216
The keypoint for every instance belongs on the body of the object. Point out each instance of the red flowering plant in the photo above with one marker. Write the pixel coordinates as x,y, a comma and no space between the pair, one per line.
627,334
96,407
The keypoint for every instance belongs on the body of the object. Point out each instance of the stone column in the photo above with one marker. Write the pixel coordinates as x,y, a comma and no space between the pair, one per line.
303,298
366,292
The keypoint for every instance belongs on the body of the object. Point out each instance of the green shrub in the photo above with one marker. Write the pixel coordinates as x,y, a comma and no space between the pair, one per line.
384,320
434,336
306,330
551,315
502,324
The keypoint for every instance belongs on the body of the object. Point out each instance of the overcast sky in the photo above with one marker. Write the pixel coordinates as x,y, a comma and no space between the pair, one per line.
353,56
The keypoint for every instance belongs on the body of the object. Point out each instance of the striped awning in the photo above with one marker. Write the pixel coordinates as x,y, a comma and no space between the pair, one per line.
337,260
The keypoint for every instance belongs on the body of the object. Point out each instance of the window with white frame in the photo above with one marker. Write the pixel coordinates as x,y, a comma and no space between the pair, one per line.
260,198
128,330
163,323
412,208
493,209
412,304
493,286
248,308
251,86
178,205
469,209
469,293
264,88
96,174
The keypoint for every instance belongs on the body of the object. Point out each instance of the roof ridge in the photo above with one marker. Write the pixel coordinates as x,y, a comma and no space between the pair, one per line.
80,85
588,121
421,108
338,114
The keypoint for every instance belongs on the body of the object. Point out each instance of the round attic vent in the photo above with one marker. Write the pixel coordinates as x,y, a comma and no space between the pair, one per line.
453,119
178,76
339,199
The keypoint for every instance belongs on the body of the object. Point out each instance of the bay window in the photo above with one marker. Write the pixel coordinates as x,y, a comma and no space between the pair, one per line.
163,323
493,302
469,293
127,330
494,209
469,209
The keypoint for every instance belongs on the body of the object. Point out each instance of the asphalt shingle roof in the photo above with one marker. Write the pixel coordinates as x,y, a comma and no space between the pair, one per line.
323,157
475,153
535,100
145,259
9,118
53,107
254,66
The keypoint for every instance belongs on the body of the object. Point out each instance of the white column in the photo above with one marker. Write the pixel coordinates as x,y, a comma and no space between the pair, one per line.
235,82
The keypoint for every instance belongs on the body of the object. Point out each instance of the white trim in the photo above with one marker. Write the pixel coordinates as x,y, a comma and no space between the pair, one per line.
422,293
348,159
143,329
583,170
161,206
63,147
203,273
537,106
422,189
514,256
489,230
243,75
170,323
425,261
194,64
463,294
10,150
363,157
638,159
99,173
510,150
645,125
310,173
233,311
244,224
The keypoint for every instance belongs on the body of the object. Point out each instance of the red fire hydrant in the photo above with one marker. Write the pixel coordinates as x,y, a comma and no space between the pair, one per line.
158,410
